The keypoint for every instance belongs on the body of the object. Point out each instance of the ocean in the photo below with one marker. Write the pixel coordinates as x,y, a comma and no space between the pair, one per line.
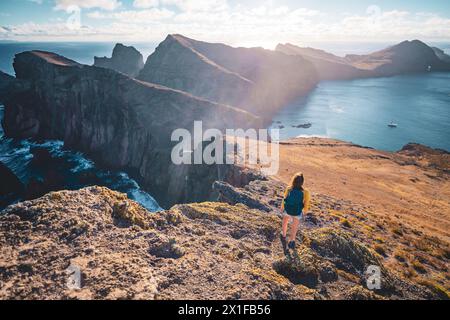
74,169
69,170
359,111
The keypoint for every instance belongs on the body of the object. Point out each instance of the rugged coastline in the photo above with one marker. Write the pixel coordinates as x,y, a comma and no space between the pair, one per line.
202,250
370,208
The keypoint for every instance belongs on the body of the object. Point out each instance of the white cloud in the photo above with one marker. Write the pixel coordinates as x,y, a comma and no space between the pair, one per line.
87,4
135,16
198,5
145,4
263,25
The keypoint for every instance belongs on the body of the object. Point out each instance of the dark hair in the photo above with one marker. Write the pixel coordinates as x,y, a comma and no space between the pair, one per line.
297,181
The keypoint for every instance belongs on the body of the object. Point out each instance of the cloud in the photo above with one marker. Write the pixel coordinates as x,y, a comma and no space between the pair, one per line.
88,4
135,16
198,5
145,3
265,24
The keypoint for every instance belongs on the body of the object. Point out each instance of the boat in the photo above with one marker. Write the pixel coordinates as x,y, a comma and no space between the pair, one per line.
392,125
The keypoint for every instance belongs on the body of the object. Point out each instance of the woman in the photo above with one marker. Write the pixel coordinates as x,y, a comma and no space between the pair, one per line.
296,202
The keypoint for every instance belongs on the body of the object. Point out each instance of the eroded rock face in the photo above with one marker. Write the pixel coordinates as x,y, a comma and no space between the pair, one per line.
6,81
196,251
257,80
124,59
120,122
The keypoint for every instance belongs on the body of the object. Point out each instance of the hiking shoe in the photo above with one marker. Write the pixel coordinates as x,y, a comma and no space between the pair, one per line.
291,245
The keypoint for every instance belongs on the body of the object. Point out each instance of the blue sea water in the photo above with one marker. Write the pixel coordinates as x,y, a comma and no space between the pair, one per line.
75,169
359,111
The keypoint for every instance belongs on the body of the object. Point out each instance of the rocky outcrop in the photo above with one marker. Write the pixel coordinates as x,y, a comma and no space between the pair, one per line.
194,251
118,121
257,80
10,187
124,59
328,66
405,57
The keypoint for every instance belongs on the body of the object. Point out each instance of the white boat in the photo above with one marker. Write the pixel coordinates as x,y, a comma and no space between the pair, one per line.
392,125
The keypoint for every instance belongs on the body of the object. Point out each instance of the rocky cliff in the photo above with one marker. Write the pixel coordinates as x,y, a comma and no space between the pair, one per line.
120,122
195,251
124,59
6,81
257,80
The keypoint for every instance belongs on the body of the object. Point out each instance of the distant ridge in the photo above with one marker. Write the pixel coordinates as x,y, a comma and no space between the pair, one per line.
405,57
329,66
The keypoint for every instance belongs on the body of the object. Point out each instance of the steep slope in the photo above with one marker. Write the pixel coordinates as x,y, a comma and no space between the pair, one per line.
257,80
118,121
195,251
5,82
441,54
328,66
124,59
405,57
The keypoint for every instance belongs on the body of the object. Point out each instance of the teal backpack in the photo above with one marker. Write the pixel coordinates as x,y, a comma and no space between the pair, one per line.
293,203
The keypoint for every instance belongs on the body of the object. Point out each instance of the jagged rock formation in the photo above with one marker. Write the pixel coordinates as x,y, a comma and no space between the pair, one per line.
405,57
195,251
257,80
120,122
124,59
328,66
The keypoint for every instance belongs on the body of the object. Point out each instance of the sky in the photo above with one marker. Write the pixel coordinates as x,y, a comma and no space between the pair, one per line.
246,23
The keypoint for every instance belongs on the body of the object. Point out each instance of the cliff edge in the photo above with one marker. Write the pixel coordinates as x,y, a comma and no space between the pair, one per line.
195,251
